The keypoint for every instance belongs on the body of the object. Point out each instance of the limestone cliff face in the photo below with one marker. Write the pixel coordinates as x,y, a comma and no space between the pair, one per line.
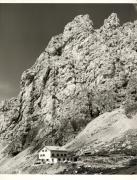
82,73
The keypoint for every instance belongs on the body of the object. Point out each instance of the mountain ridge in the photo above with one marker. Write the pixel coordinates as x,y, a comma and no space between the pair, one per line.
82,74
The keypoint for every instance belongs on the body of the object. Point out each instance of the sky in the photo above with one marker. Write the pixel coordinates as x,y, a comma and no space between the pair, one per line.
25,30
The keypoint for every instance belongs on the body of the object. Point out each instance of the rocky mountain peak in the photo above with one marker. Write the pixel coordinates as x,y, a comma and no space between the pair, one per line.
81,23
111,22
82,73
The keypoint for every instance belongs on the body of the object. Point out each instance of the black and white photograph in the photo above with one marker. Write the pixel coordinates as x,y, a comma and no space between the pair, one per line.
68,88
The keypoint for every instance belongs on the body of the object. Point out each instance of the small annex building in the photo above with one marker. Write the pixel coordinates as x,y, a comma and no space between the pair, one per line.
54,154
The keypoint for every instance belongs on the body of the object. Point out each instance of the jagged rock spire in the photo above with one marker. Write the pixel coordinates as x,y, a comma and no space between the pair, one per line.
111,22
80,23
